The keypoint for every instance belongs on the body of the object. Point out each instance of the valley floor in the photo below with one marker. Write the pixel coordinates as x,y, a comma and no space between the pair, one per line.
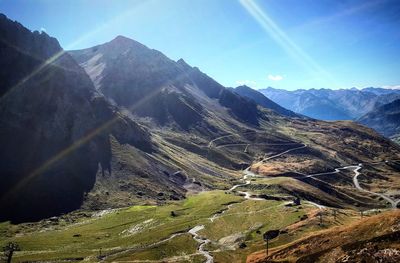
219,221
211,226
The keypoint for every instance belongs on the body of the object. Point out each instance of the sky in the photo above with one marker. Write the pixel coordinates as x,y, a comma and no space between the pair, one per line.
287,44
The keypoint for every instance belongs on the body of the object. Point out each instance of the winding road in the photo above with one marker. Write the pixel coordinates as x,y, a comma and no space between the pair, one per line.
356,169
247,173
247,195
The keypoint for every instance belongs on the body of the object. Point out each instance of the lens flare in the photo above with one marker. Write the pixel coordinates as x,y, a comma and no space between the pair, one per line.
85,139
108,24
283,40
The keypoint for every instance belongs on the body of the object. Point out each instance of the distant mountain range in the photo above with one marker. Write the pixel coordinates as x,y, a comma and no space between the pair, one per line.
327,104
262,100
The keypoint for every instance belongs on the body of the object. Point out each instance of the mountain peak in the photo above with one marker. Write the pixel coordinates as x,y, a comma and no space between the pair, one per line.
122,42
183,64
243,87
122,38
181,61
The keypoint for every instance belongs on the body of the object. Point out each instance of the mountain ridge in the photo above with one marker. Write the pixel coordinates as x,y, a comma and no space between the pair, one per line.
168,76
262,100
327,104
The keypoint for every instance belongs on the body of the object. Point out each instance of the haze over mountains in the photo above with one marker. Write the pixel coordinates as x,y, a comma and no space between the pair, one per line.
326,104
262,100
117,147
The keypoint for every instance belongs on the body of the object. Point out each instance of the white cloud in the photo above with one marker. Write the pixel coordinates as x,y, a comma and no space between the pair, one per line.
42,29
250,83
391,87
275,78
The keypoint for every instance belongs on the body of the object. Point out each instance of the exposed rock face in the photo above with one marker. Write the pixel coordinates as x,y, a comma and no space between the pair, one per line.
50,113
151,85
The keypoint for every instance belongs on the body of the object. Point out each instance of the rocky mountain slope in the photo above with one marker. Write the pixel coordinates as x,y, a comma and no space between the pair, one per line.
48,111
228,130
384,119
326,104
128,73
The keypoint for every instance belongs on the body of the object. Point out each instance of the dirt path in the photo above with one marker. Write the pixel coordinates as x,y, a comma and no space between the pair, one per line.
258,144
212,142
282,153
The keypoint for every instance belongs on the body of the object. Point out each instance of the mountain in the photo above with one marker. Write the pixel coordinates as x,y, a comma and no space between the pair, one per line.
126,71
384,119
196,118
66,146
49,108
262,100
380,91
138,115
326,104
118,153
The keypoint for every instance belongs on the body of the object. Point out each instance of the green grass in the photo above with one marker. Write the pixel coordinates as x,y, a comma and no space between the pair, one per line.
108,233
181,247
247,218
149,225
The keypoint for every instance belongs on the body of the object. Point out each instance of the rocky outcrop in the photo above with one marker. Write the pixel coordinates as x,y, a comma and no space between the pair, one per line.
54,127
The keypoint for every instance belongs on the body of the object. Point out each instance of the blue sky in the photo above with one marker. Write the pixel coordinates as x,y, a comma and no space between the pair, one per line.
286,44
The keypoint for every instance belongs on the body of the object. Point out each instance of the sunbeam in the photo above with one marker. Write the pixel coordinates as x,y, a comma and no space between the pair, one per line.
65,152
283,40
128,13
62,154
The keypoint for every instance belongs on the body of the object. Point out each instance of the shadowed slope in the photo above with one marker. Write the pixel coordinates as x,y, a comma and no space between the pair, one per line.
45,170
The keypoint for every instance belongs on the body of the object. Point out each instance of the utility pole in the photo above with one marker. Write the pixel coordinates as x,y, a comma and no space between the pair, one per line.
320,218
271,234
